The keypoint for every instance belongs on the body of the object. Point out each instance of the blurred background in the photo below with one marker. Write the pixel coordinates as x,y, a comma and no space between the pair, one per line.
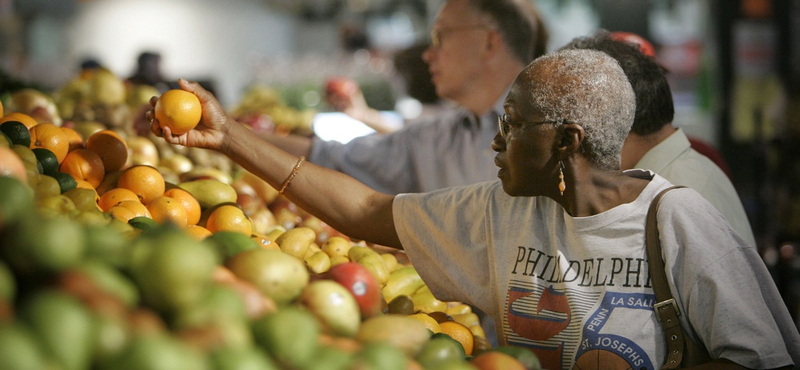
734,67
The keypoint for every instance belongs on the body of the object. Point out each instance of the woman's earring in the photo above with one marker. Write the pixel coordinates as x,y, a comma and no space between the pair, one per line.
561,184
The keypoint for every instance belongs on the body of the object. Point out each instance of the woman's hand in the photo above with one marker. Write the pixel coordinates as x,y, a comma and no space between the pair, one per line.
214,122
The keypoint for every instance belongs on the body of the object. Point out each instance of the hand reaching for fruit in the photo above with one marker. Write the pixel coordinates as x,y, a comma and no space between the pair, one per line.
344,95
209,133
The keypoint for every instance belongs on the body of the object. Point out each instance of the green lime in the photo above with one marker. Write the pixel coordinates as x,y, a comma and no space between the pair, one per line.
401,304
230,243
17,132
439,350
47,159
143,223
66,181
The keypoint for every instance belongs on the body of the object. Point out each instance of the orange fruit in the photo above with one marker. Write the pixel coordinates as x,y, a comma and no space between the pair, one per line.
265,242
189,203
74,138
50,136
83,184
179,110
84,164
428,321
460,333
138,209
145,181
111,148
121,213
229,218
1,108
27,120
494,360
11,165
165,209
197,232
115,196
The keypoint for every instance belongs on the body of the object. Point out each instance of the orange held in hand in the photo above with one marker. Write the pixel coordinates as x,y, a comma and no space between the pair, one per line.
179,110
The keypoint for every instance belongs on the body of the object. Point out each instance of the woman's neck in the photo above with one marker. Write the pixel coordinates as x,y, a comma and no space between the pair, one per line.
594,191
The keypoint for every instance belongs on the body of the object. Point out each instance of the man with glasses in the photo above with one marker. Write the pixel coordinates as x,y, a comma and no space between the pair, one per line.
654,143
477,49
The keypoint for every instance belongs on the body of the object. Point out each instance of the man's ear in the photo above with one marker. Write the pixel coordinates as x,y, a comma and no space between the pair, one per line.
569,139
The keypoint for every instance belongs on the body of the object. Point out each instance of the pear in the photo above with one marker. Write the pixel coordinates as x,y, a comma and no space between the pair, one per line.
290,335
210,192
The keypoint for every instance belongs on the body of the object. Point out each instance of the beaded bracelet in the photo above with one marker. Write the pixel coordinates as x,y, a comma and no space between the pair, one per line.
291,175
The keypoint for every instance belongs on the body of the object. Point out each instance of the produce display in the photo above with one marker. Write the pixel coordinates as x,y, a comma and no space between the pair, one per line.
119,251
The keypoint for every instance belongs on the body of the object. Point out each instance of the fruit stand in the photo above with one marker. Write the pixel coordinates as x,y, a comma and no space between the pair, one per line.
120,251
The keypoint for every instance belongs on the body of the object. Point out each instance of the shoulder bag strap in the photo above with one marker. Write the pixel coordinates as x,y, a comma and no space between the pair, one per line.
666,309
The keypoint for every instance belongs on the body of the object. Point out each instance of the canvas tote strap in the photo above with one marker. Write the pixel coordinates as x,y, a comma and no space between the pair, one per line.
666,309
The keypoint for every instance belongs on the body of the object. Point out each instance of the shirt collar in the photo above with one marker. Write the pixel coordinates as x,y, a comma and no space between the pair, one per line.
663,154
489,119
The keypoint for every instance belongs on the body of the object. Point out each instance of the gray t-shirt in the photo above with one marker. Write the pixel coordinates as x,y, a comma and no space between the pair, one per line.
577,289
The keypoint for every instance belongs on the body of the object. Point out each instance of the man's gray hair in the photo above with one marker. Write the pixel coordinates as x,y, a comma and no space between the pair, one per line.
587,87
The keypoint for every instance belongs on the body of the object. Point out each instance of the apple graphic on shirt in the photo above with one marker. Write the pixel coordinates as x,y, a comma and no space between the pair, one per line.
362,284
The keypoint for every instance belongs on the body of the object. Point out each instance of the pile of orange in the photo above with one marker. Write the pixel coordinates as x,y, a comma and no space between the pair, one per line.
140,192
99,163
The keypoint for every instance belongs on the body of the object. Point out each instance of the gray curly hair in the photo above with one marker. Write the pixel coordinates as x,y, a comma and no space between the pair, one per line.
586,87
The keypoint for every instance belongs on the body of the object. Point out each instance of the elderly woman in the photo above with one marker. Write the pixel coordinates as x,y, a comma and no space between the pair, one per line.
555,249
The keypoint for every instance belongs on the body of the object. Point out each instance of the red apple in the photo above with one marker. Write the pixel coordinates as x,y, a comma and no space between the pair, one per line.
362,284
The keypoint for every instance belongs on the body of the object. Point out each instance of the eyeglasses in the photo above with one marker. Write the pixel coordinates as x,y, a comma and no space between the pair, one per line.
436,34
504,123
